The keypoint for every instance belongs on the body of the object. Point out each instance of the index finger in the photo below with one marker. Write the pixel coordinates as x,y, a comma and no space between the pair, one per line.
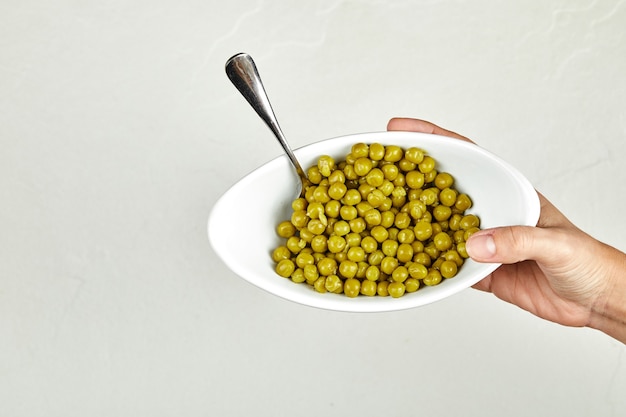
422,126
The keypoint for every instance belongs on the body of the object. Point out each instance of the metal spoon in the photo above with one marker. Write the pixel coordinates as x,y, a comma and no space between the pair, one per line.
244,75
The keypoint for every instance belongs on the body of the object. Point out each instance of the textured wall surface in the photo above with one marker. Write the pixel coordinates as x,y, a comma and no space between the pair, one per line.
119,130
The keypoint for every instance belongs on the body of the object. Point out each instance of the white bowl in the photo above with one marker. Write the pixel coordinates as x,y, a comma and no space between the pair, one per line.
242,224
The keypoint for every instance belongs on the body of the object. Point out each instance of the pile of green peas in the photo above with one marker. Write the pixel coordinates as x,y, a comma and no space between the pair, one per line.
382,222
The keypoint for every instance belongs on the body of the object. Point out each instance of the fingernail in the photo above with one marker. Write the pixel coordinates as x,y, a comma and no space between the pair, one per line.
481,246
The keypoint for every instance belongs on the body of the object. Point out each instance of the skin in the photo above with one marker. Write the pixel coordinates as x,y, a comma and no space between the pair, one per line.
554,270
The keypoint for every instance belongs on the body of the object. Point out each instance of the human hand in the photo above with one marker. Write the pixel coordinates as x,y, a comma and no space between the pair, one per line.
554,270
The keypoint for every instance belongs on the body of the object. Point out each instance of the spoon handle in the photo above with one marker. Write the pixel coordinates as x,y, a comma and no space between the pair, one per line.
243,73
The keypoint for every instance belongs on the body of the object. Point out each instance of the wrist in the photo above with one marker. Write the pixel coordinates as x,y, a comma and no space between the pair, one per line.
608,313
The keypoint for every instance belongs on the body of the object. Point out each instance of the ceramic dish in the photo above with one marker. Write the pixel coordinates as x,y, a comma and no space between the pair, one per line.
242,223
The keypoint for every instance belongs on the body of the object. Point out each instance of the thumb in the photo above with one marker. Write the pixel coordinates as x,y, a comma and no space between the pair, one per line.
511,244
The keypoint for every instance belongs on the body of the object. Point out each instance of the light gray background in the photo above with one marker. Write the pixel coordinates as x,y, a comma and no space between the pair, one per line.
119,130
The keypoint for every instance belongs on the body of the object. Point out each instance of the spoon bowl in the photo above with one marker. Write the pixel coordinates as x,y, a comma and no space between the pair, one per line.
242,224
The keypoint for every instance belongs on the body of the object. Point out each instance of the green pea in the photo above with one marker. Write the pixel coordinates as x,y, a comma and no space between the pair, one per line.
400,180
416,209
423,231
382,288
295,244
406,236
469,232
326,165
454,256
349,172
348,212
375,177
299,204
406,165
373,217
380,233
404,253
444,180
396,289
353,239
376,198
314,175
390,171
368,288
393,153
442,213
285,229
341,228
320,194
432,250
298,276
418,270
386,187
304,259
299,219
351,287
360,150
417,246
356,254
387,218
455,221
389,247
377,152
280,253
333,284
401,221
320,285
463,202
362,166
316,227
442,241
337,190
285,268
448,269
372,273
414,155
337,176
376,257
319,244
388,264
357,225
411,285
460,247
327,266
332,208
336,244
369,244
348,269
414,179
433,278
447,197
422,258
362,267
427,164
400,274
429,196
469,221
311,273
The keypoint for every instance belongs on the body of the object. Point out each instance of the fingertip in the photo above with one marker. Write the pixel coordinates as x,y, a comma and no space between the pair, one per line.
410,125
421,126
481,246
